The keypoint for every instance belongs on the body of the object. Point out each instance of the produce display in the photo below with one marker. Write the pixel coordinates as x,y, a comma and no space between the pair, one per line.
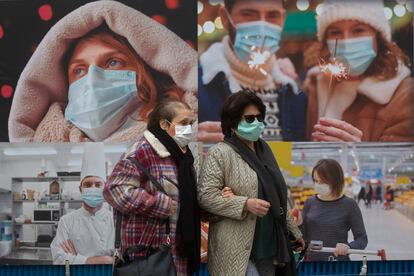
300,195
404,202
406,198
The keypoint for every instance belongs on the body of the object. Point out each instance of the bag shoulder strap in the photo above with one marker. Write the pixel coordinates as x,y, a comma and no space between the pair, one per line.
119,215
146,172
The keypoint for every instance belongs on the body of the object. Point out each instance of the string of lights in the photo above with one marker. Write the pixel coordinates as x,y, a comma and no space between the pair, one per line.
211,25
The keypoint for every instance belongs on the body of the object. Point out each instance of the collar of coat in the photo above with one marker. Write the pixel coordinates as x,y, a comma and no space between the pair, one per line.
159,148
101,213
213,61
379,91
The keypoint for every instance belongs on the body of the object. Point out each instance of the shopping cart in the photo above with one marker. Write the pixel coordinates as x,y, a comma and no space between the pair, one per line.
317,246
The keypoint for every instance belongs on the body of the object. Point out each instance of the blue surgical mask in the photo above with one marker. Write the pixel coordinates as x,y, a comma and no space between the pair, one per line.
250,131
358,53
255,35
100,102
93,197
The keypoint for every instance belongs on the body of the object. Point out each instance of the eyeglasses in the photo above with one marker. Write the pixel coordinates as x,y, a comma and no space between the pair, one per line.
250,118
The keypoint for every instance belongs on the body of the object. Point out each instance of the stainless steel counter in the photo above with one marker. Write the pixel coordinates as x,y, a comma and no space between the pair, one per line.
28,257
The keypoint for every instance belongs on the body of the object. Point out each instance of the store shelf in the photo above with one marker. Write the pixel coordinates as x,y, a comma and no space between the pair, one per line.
18,187
46,179
35,223
59,201
49,201
33,248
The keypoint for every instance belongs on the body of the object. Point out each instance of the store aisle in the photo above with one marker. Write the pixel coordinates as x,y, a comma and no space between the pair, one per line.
390,230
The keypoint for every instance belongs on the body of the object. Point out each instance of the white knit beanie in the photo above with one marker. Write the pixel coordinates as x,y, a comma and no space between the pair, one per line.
370,12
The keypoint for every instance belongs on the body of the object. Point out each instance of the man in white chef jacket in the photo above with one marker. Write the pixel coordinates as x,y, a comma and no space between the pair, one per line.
86,236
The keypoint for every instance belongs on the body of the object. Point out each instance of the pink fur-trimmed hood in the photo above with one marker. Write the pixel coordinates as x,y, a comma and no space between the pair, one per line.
43,80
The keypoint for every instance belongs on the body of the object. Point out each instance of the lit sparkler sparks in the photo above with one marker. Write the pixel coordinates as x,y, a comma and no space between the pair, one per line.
334,68
257,59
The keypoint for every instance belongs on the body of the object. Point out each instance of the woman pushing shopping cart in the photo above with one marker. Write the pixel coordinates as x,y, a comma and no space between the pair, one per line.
329,215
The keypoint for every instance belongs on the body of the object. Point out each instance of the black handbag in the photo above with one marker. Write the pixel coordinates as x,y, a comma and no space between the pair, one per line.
156,262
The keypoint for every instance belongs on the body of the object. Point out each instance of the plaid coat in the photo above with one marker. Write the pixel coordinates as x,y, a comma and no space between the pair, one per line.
143,207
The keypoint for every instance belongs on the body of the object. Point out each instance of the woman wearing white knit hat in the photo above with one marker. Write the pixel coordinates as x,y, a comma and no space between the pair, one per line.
375,101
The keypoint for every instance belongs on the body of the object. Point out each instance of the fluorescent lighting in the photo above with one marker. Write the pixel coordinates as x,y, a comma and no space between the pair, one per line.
108,149
115,149
29,151
75,163
76,150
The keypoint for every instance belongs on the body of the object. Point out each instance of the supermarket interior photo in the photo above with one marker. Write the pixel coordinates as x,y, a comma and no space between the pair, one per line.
385,168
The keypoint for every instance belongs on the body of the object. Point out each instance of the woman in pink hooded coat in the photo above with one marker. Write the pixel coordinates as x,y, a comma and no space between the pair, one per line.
97,74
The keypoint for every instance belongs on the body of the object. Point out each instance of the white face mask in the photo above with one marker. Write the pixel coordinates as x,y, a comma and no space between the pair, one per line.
322,189
183,135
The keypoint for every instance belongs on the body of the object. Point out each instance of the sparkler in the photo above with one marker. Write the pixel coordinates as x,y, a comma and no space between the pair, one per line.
258,57
334,68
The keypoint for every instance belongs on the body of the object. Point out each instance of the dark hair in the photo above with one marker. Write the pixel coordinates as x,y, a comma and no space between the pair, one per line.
165,110
234,106
331,173
228,4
